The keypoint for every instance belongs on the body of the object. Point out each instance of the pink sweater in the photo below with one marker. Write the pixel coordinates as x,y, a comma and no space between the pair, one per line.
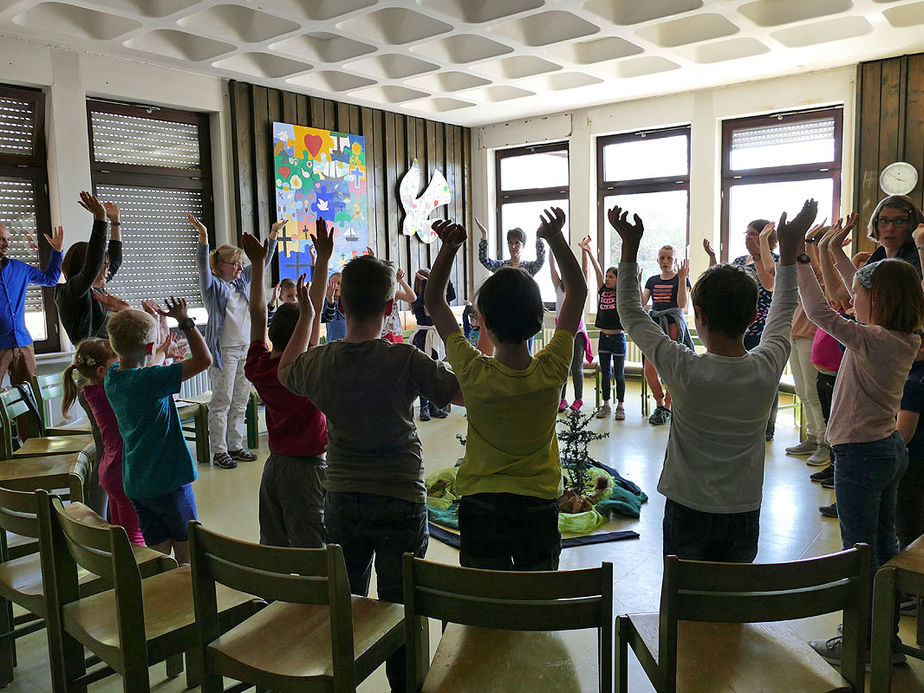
869,384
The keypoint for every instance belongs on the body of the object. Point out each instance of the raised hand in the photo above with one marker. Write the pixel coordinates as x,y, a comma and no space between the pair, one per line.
274,229
112,304
369,251
450,233
92,204
151,308
200,228
767,230
918,236
791,234
333,289
752,243
56,239
683,271
817,232
255,250
323,239
629,233
551,222
176,308
112,212
484,231
585,244
399,274
707,246
301,293
840,232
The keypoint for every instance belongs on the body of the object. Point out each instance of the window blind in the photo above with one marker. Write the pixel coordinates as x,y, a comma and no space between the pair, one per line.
17,213
159,244
783,133
125,139
17,127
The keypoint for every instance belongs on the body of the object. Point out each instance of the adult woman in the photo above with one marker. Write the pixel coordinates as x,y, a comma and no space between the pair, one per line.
516,239
754,263
82,301
891,225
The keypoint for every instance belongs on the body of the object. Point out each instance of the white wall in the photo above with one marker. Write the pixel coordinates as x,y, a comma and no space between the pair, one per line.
704,110
68,77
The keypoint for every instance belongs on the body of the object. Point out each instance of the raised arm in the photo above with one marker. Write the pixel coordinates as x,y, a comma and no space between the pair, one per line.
405,292
453,237
207,280
324,247
199,357
834,285
115,238
918,236
753,246
766,255
553,270
707,246
842,262
683,274
298,342
588,254
51,273
572,308
256,253
79,283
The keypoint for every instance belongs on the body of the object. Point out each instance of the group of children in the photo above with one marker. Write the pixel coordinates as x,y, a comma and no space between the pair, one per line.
352,399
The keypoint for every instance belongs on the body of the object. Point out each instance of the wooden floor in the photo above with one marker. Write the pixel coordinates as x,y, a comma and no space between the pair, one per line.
790,528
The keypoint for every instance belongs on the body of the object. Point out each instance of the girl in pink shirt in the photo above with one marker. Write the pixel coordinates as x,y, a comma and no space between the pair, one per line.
92,360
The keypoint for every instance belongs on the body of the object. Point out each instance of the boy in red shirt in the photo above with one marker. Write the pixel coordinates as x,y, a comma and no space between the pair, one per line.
291,490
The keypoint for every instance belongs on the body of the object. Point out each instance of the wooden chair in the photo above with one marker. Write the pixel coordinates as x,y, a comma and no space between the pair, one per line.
719,626
21,574
904,573
194,417
47,389
30,429
314,636
144,619
503,631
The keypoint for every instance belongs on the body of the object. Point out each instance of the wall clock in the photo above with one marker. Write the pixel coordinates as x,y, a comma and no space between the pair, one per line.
898,178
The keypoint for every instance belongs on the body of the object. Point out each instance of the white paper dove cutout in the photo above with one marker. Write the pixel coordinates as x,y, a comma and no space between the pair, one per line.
417,209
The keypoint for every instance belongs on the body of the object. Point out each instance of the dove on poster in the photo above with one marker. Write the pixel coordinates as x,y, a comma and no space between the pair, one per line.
418,209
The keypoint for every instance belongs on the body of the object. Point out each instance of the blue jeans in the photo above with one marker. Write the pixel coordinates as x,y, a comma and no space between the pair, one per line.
866,479
612,346
366,525
699,536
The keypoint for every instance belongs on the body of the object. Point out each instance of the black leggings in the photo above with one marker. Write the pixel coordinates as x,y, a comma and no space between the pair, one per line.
613,346
577,368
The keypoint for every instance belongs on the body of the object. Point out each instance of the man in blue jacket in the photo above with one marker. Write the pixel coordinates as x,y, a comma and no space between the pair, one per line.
16,352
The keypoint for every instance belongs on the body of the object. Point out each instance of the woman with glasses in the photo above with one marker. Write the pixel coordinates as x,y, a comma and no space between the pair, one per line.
224,283
890,226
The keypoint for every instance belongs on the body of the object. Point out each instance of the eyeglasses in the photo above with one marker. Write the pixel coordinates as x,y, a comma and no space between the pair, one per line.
882,222
238,265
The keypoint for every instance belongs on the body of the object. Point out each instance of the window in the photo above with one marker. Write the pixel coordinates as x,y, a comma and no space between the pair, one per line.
155,163
645,173
772,164
24,206
530,179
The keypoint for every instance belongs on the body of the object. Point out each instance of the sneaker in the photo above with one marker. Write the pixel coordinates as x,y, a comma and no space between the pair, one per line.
562,406
576,405
425,413
660,416
768,436
806,447
821,457
223,460
828,510
831,651
828,483
604,412
438,413
826,473
242,455
620,414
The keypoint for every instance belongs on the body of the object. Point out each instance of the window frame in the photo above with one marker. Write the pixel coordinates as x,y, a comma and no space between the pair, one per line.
157,176
635,186
35,169
818,170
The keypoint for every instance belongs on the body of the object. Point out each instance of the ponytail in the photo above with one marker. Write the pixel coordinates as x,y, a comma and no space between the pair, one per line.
70,390
91,354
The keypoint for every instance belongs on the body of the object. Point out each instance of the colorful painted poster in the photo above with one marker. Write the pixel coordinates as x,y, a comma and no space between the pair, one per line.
319,173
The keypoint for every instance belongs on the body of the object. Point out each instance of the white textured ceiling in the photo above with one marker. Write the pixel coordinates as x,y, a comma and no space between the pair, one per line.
473,62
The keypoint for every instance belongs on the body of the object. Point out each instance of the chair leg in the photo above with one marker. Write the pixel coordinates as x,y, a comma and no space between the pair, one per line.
7,644
135,679
174,666
622,658
195,670
883,625
74,666
252,422
202,436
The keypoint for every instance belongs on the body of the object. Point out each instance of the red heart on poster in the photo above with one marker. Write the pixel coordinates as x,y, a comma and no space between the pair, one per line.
313,143
284,171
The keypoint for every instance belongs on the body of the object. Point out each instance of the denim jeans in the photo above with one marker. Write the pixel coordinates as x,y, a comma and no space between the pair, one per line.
612,346
866,479
366,526
698,536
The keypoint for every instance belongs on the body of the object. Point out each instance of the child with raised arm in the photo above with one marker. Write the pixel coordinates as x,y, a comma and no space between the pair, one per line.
158,469
510,478
366,386
714,464
667,292
291,489
582,348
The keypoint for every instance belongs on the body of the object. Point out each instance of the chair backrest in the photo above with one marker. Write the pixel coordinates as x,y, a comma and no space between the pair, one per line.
755,593
554,600
46,388
299,576
18,511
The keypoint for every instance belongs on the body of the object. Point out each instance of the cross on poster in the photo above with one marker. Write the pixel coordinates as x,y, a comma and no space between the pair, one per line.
319,174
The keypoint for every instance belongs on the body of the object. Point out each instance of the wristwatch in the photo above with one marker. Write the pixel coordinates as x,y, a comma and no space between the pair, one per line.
804,259
186,324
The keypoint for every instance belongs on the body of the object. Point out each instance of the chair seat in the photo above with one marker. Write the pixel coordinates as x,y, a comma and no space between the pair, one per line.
483,659
168,613
53,445
55,468
18,545
742,657
787,384
188,410
294,640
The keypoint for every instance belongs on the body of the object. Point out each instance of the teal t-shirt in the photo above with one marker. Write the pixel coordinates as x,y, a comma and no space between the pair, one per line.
155,459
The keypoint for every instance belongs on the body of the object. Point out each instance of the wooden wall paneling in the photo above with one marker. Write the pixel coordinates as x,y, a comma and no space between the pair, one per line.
330,115
913,145
317,112
423,156
435,162
470,260
454,155
415,149
866,188
890,111
355,126
390,190
242,154
450,211
343,118
289,108
302,110
372,175
263,166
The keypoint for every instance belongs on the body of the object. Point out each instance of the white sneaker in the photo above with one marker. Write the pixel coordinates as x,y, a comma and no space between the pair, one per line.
603,412
620,414
821,457
806,447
